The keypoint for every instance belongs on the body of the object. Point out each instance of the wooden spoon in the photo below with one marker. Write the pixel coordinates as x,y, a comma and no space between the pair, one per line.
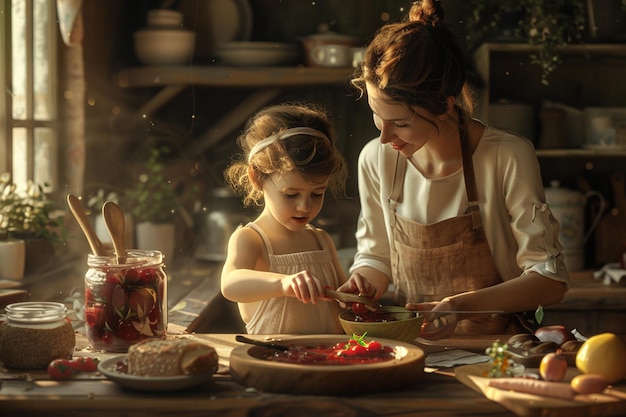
276,346
269,345
78,211
114,220
345,297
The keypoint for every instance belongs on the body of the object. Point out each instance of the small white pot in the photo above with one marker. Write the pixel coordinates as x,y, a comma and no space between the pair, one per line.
156,237
12,259
102,232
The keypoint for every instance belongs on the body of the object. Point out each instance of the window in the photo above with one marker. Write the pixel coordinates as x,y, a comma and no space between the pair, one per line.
28,112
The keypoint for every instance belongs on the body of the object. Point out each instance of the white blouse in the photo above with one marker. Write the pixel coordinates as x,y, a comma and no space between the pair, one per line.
520,229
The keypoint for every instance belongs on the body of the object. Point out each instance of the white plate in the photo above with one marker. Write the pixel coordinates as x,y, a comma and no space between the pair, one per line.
148,383
216,22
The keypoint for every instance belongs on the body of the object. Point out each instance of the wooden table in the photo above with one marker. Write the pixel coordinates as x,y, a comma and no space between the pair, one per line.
438,394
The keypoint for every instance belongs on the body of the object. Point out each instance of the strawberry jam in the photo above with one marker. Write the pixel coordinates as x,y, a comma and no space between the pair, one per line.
356,351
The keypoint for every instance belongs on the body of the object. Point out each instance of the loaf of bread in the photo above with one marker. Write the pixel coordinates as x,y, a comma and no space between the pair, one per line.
171,357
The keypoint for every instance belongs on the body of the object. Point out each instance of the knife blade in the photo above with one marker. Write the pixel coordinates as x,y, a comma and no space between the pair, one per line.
447,311
461,311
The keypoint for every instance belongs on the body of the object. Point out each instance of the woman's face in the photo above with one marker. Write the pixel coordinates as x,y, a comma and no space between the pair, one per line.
292,201
404,130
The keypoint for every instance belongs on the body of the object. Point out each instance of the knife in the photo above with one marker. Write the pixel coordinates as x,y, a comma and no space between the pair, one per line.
447,311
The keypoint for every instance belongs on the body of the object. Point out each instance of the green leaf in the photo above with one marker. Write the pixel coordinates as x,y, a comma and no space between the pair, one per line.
539,314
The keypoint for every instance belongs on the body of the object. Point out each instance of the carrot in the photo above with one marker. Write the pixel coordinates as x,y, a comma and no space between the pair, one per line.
534,386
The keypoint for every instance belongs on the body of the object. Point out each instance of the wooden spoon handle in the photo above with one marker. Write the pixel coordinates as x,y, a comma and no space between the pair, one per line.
346,297
115,222
244,339
78,211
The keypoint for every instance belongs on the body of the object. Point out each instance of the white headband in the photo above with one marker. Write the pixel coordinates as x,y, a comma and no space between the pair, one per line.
264,143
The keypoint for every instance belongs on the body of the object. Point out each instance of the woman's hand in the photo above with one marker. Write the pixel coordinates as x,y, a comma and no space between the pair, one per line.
358,284
304,286
435,326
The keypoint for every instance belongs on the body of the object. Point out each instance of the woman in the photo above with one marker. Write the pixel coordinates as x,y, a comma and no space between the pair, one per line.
453,212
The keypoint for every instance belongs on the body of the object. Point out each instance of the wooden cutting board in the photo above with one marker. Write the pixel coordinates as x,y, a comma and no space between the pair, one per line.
611,232
612,402
247,369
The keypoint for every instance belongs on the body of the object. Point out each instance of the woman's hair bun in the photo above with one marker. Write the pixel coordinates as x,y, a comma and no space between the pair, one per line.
427,11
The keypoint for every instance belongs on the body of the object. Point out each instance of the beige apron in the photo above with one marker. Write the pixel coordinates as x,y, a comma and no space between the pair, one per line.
430,262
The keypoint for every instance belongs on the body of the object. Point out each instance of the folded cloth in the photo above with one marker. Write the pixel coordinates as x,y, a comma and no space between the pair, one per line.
454,357
610,273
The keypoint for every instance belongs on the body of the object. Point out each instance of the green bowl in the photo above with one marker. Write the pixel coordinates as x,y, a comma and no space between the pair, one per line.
406,326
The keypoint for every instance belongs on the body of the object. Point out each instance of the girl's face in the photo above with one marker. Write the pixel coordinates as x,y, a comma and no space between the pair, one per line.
292,201
404,130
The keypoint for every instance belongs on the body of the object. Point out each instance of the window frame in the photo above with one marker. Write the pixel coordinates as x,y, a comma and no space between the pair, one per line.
30,122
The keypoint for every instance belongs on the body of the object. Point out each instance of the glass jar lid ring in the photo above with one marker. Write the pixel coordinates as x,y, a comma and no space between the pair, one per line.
35,312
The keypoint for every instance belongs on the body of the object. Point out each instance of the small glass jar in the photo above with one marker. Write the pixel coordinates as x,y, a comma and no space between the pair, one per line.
125,303
35,334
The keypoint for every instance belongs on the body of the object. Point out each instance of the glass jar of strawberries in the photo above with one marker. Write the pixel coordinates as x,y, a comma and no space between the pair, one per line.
125,303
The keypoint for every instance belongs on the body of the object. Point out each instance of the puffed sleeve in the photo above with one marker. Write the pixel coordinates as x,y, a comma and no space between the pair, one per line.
534,229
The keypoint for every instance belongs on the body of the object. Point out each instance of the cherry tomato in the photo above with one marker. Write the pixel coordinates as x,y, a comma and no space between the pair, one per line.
148,276
60,369
374,346
127,331
84,364
359,309
131,277
359,349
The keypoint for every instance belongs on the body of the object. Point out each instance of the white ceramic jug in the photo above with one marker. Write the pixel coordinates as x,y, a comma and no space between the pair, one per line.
568,207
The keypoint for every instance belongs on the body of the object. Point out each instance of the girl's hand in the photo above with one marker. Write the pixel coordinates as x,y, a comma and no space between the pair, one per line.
435,326
304,286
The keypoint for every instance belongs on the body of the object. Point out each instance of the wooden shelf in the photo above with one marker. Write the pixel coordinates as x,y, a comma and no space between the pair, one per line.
266,84
581,153
593,48
216,76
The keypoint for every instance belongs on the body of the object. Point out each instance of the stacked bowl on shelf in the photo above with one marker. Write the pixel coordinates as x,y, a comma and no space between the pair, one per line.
164,41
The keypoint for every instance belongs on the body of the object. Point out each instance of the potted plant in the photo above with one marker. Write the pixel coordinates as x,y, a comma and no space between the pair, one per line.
153,204
547,25
26,217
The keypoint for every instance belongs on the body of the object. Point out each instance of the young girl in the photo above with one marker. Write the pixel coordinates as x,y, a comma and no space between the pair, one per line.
278,265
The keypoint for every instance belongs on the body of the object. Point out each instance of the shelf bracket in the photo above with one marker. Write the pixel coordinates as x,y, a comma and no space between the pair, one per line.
235,118
160,99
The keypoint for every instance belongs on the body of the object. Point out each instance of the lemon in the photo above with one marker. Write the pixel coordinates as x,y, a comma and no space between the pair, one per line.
603,354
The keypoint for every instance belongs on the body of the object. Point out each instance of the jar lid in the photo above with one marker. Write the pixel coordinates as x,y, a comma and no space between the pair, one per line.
35,312
135,258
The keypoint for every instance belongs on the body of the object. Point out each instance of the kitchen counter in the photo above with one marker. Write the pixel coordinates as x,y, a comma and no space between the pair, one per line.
590,306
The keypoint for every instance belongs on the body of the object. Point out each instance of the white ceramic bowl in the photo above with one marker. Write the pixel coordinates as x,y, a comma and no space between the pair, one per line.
164,18
164,46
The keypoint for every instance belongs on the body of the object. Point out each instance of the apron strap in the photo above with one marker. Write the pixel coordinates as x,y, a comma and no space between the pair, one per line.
468,174
396,188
